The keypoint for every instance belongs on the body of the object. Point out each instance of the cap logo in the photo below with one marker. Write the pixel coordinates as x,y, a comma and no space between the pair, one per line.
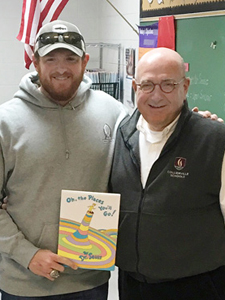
59,28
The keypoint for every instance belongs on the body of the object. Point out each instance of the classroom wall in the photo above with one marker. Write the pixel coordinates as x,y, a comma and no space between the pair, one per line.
97,20
114,29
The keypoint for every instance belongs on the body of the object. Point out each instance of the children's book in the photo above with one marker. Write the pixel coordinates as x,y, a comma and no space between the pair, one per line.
88,228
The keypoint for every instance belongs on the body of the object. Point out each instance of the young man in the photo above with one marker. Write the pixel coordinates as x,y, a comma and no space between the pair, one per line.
169,168
56,133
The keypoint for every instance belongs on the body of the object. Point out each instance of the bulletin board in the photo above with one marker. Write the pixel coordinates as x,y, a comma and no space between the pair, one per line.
194,38
157,8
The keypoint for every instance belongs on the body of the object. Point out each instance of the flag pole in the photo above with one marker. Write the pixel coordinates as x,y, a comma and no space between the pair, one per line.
123,17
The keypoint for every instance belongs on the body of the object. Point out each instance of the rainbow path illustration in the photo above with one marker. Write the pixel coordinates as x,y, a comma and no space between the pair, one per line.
91,248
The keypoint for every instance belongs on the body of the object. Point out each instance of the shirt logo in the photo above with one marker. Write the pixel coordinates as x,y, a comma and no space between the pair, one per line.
107,132
179,163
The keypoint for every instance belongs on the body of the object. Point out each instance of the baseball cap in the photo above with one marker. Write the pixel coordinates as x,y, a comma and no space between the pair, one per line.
59,34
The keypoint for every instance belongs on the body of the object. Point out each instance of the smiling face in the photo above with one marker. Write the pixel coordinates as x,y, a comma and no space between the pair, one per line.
60,74
158,108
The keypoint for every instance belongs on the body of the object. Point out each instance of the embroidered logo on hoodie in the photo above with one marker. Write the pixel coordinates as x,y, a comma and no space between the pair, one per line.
107,133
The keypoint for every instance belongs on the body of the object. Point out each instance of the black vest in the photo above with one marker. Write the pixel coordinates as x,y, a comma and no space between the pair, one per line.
173,228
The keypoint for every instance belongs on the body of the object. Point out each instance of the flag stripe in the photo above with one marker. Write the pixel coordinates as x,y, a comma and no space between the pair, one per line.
36,13
28,55
59,9
19,37
45,10
33,24
30,18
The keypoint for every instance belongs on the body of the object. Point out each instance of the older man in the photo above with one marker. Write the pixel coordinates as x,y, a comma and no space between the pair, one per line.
169,167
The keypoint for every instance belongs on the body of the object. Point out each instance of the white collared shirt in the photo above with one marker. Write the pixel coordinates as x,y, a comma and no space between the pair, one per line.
150,146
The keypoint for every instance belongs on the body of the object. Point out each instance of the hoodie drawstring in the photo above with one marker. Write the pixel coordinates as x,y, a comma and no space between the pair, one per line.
61,117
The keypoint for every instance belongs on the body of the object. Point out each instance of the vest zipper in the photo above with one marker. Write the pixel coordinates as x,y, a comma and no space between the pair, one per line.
138,225
137,165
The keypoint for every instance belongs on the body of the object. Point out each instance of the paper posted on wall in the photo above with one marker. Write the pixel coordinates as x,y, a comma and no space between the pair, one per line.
88,228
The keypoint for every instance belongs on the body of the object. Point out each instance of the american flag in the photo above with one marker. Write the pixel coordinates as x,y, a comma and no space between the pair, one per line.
36,13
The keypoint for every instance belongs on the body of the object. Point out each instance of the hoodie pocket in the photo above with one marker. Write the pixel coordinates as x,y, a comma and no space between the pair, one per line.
49,237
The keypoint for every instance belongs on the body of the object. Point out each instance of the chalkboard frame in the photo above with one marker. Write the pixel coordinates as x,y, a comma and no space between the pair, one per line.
180,8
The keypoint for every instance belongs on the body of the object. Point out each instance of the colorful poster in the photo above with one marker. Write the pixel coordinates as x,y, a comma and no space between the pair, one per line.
148,38
88,228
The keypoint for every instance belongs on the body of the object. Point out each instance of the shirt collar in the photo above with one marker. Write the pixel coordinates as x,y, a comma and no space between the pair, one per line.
155,136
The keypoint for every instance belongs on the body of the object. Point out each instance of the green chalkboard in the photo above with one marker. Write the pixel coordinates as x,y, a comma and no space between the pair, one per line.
194,37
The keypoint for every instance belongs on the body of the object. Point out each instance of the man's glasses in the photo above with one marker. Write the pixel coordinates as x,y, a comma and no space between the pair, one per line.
72,38
166,86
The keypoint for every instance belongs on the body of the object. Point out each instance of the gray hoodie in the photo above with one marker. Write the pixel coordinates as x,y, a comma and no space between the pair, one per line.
46,148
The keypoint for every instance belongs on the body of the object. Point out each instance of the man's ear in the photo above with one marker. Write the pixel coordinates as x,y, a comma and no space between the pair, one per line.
134,85
186,84
86,59
35,61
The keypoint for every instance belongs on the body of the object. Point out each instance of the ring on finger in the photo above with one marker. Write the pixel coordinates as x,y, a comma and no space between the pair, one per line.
54,274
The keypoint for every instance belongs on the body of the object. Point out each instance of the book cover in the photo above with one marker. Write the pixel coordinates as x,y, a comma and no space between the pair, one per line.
88,228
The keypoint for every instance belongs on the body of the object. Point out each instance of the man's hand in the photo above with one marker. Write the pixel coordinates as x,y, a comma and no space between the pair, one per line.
207,114
44,261
3,203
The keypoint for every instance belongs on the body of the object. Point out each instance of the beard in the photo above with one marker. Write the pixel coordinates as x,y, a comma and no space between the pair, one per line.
58,91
